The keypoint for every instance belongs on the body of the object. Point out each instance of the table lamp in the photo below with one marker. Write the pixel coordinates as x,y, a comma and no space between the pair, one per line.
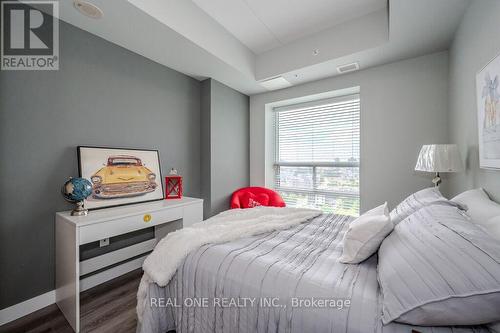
439,158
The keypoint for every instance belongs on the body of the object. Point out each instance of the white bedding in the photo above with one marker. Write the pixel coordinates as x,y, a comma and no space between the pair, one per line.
162,263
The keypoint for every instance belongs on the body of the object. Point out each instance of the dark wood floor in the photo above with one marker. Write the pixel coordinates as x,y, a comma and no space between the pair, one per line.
109,307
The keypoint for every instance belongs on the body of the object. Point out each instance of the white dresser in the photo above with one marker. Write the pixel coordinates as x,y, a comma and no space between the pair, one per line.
100,225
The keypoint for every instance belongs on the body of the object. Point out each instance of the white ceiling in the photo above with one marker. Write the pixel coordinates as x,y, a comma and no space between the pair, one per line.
417,27
277,38
263,25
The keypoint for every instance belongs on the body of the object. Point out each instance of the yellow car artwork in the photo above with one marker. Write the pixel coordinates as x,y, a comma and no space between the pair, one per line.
122,176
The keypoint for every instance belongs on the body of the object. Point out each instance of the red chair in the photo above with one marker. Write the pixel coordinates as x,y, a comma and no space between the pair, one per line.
249,197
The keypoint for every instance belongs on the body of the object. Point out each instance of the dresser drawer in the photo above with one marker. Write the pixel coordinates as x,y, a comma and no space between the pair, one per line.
100,230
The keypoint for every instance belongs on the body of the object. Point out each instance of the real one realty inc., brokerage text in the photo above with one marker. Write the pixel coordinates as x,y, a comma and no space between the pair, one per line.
243,302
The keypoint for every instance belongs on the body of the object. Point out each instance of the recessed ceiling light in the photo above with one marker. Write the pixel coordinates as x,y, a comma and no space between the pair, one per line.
348,68
88,9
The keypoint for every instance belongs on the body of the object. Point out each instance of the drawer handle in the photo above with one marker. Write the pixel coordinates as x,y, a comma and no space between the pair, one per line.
147,218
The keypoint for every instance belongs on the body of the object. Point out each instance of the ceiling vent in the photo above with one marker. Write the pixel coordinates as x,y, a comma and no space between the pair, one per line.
275,83
88,9
348,68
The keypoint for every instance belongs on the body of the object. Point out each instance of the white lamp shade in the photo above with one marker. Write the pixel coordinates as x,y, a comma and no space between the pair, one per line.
439,158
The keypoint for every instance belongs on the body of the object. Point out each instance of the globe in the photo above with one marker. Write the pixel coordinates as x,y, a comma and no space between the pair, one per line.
76,189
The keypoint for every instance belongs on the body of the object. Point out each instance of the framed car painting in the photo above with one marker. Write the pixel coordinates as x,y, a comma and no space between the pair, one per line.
120,176
488,114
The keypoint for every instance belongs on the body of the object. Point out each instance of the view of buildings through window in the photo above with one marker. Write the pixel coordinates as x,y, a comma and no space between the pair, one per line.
317,154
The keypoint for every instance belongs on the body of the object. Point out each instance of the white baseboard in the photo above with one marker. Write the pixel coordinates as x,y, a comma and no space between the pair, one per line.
25,308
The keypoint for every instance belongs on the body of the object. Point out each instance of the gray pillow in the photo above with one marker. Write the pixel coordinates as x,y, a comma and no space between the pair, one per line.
437,268
417,200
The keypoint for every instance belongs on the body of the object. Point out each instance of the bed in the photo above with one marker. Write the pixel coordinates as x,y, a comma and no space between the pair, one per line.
279,281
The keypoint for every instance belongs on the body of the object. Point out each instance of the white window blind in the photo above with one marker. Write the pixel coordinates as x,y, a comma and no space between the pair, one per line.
317,154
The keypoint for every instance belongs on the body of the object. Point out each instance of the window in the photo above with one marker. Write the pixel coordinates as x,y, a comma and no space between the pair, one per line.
317,154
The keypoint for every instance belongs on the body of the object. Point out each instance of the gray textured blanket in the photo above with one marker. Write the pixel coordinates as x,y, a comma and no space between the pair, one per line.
284,281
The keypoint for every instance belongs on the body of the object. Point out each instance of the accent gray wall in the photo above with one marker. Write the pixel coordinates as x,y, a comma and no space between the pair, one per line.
102,95
403,106
476,43
225,144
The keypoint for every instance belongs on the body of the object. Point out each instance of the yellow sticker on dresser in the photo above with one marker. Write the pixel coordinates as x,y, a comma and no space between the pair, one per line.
147,218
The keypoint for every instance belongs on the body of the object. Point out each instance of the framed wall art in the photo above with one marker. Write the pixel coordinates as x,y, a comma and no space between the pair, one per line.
120,176
488,114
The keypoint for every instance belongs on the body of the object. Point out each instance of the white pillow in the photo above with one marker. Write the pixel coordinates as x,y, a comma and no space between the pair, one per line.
479,206
365,234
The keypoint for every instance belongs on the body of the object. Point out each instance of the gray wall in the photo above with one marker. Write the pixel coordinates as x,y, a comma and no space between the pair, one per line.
403,106
225,144
102,95
476,43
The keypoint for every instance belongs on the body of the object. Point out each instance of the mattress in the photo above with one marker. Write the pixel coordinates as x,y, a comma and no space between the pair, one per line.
283,281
